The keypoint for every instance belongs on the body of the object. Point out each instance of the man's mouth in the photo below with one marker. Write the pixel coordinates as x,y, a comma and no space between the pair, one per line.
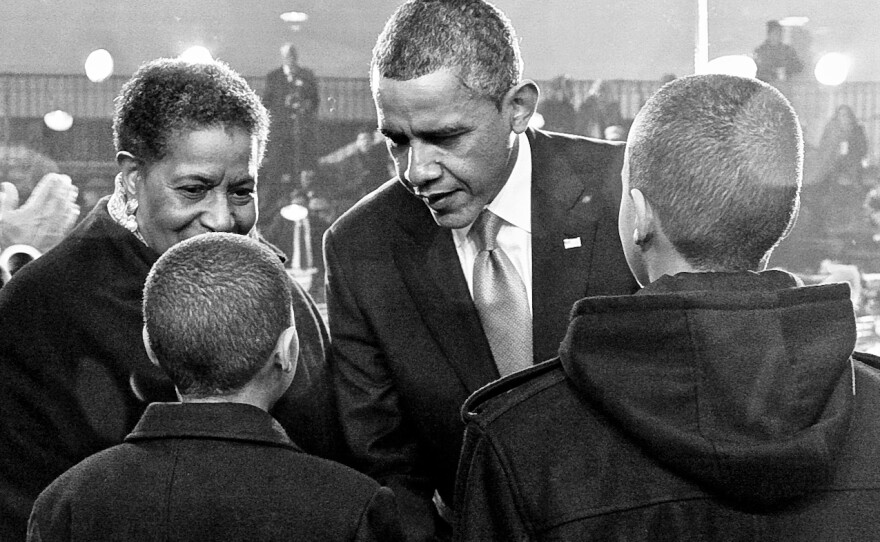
436,198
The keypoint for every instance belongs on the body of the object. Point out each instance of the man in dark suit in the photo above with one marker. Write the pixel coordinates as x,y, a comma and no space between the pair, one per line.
215,466
411,342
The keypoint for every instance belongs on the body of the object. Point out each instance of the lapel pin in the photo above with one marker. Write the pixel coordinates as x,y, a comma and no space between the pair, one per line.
572,242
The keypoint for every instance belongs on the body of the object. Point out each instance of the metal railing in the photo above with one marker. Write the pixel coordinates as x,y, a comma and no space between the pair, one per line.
349,100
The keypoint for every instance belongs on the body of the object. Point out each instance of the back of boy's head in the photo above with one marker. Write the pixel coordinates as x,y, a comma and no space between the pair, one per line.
214,307
720,160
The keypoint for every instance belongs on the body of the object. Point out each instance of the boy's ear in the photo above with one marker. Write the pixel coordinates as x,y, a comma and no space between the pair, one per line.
286,352
644,218
149,349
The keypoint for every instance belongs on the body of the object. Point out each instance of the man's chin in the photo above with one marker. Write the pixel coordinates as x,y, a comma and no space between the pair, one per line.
458,218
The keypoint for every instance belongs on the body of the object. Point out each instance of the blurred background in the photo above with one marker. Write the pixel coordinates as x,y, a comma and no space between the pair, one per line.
62,63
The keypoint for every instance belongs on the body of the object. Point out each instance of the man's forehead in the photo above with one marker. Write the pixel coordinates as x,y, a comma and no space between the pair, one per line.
436,101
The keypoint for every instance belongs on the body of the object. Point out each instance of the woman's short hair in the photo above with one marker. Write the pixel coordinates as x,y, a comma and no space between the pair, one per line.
166,96
471,37
720,160
214,307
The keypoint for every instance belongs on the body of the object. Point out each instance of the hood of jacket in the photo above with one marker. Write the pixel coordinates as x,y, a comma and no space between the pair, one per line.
741,382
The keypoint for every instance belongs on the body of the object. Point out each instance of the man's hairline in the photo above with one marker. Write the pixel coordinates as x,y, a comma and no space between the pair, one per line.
375,77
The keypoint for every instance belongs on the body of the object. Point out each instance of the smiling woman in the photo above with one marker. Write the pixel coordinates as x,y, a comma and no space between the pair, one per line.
73,371
205,184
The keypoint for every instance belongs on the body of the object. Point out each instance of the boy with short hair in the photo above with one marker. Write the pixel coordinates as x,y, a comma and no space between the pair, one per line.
215,466
722,401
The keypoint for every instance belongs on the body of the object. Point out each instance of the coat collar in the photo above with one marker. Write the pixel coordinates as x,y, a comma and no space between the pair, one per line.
229,421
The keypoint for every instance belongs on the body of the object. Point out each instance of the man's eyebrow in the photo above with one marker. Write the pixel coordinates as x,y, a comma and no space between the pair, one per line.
443,131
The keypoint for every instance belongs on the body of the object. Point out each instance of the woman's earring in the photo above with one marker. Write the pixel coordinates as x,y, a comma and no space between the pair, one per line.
129,221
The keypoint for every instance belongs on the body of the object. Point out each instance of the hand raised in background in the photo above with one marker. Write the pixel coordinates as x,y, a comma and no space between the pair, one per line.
49,213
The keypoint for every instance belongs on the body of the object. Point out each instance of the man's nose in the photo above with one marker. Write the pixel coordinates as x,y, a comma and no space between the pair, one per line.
423,164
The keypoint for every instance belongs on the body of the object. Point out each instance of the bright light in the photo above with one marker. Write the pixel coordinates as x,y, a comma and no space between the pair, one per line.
197,55
99,65
58,120
294,17
794,21
294,212
833,69
741,65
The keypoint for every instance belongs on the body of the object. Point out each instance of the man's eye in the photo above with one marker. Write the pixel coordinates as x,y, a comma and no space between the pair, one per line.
442,139
194,189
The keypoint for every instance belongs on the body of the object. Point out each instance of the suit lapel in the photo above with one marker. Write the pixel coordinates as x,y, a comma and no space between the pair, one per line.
431,271
563,230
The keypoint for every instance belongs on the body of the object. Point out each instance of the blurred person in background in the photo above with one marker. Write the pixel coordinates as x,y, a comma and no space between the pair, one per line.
292,97
598,111
776,61
836,191
38,206
556,107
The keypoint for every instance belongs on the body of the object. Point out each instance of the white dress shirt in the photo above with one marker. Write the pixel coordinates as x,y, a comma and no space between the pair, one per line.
513,204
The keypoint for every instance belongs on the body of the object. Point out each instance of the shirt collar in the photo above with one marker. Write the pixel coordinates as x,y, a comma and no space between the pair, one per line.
514,202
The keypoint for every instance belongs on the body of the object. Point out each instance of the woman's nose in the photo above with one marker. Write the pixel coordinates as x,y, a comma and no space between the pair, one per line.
218,215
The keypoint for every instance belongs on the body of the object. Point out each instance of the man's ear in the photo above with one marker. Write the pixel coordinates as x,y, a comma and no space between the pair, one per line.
645,220
286,353
149,349
521,101
129,168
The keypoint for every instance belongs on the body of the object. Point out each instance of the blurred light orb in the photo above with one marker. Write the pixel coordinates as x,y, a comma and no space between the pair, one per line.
833,69
794,21
58,120
294,212
741,65
197,54
294,17
99,65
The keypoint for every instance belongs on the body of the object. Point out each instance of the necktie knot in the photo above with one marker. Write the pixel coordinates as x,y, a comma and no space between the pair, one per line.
486,229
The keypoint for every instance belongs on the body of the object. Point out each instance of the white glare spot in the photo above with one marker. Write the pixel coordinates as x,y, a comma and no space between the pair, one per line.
832,69
741,65
99,65
197,54
58,120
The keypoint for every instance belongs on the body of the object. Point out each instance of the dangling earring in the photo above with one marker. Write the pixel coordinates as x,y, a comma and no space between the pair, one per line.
129,221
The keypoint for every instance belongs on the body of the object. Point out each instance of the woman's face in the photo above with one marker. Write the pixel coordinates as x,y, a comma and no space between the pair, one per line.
206,183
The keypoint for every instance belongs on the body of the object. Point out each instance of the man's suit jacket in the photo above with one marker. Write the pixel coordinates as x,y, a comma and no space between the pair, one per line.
408,344
212,471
